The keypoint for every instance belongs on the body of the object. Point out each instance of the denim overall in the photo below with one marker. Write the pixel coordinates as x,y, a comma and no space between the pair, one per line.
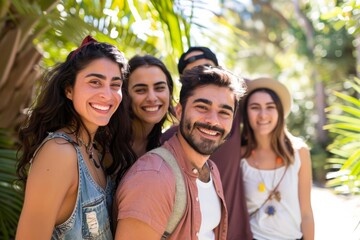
90,218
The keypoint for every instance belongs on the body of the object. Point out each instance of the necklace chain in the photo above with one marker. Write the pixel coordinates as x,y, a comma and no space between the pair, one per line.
89,150
262,186
270,209
203,173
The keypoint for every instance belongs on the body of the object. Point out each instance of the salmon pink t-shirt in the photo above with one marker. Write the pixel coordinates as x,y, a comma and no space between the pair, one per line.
147,193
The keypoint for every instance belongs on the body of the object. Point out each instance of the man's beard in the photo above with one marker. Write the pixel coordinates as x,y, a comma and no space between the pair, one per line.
203,146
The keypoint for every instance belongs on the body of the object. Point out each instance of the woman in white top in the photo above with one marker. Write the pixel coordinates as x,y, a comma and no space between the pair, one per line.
276,166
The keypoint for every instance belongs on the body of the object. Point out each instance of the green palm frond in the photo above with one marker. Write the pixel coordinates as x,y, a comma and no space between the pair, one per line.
344,119
11,198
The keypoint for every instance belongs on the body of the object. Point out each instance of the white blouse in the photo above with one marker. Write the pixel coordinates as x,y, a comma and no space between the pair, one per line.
285,222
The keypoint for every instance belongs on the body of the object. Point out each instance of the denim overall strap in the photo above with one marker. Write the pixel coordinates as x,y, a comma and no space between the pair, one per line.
52,135
90,218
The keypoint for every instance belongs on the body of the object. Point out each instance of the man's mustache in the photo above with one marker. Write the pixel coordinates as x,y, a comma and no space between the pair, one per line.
209,127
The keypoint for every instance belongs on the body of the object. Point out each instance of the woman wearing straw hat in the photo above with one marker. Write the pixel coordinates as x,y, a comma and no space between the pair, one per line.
276,166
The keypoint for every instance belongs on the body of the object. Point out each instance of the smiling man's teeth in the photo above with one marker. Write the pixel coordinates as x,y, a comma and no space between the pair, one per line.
151,109
209,132
101,107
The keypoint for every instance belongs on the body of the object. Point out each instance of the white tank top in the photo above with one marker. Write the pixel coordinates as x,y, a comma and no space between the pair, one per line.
285,223
210,208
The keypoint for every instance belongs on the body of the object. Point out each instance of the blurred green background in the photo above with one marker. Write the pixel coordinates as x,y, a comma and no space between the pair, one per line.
311,46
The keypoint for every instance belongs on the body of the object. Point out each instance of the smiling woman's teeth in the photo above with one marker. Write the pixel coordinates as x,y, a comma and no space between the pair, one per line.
101,107
209,132
151,109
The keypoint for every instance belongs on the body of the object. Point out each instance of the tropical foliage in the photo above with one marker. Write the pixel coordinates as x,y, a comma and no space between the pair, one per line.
344,114
345,164
311,48
10,197
38,34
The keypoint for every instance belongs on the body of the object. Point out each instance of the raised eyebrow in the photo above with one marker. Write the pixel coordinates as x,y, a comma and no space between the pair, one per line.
203,100
160,83
208,102
145,85
116,79
98,75
228,107
270,103
103,77
254,104
267,104
139,85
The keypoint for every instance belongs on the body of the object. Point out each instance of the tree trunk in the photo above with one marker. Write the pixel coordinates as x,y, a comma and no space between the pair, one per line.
19,61
17,78
320,103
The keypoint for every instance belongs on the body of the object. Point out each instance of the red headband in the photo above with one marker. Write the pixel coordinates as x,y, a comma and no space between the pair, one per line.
87,40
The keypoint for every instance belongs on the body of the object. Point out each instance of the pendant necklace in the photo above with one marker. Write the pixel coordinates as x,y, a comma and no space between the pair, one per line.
203,173
89,150
274,193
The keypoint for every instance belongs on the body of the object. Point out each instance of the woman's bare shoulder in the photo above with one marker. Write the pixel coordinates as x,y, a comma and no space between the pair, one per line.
57,156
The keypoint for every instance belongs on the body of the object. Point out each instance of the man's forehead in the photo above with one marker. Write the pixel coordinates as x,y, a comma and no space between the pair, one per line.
214,94
192,54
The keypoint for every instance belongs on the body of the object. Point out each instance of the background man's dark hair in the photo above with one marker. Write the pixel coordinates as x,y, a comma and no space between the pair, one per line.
206,54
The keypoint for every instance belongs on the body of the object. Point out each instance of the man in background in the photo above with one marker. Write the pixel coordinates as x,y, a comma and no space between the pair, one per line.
227,157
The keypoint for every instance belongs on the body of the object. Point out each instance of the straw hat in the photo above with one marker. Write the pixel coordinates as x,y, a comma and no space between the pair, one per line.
280,89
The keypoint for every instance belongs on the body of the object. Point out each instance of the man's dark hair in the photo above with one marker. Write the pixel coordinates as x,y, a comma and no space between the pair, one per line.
204,75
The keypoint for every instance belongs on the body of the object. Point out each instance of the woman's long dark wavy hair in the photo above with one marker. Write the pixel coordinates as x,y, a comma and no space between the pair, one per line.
148,60
280,141
53,111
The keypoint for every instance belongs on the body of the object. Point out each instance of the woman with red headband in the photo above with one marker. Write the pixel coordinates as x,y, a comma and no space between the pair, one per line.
74,124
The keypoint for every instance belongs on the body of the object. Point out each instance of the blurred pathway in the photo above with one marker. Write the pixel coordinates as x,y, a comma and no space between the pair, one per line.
336,217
